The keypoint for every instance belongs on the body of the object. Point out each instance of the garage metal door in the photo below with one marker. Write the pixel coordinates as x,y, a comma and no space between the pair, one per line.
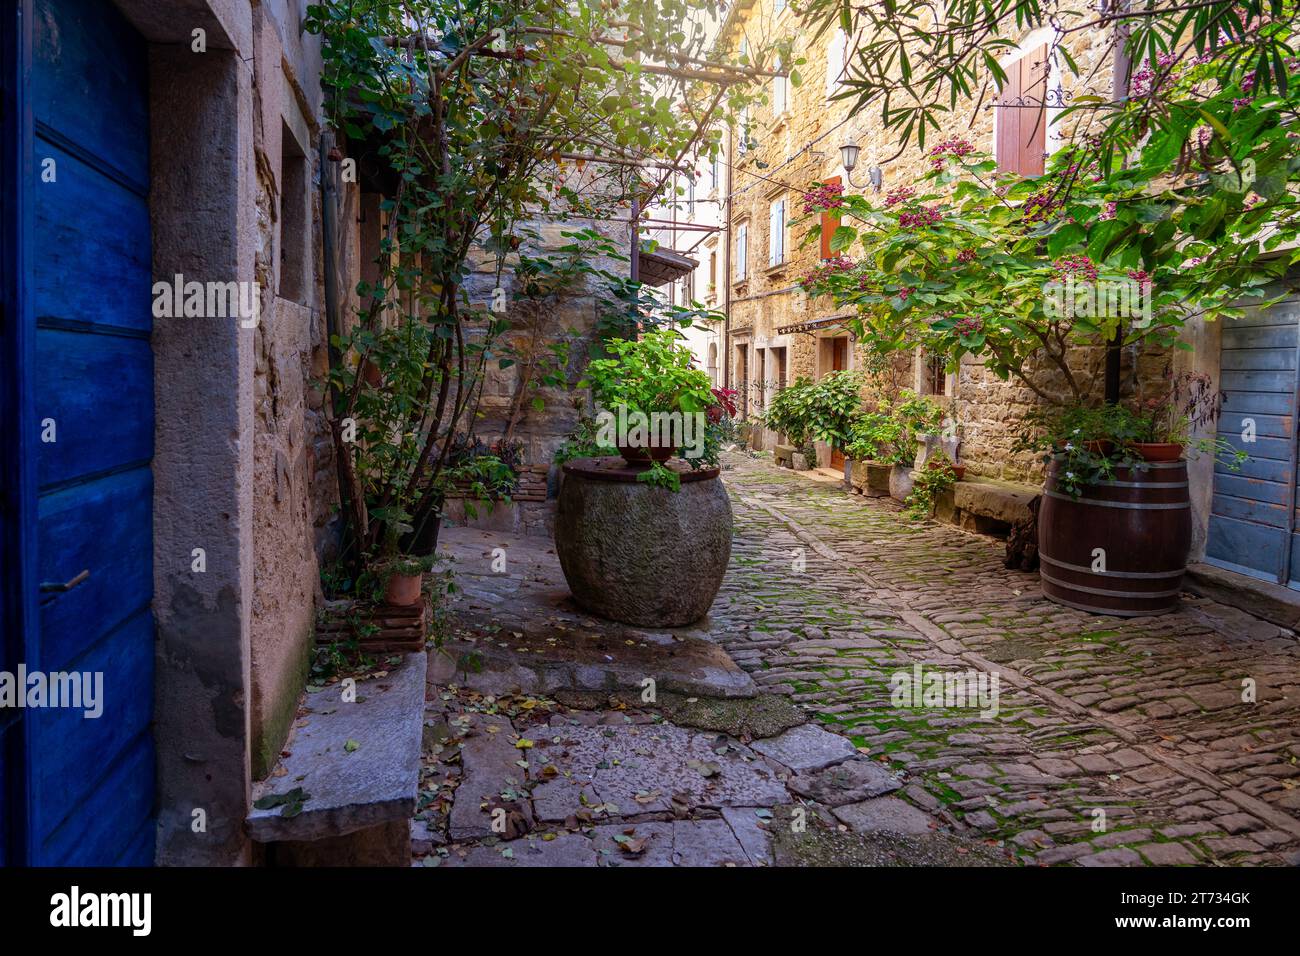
1253,513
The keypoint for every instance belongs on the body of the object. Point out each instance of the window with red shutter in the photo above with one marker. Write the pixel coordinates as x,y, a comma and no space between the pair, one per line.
1021,141
830,222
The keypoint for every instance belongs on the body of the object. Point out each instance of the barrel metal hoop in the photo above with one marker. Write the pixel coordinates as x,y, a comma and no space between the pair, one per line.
1112,574
1109,611
1130,505
1133,595
1181,463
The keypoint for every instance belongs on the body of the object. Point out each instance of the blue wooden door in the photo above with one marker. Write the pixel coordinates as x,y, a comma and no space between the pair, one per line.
87,375
1252,516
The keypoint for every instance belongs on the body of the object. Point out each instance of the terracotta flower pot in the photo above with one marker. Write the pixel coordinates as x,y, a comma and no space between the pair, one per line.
958,470
637,455
1159,451
403,590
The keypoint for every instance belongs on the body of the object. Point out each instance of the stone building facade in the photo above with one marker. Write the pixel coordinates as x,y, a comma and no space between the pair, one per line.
778,334
774,334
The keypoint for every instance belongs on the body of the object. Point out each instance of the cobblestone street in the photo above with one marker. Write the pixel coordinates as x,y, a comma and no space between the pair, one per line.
1142,717
1115,742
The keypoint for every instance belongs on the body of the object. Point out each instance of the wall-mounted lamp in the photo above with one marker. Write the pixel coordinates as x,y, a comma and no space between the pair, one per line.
849,157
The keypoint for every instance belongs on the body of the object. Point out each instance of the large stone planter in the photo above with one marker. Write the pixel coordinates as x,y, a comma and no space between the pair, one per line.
640,554
871,478
900,482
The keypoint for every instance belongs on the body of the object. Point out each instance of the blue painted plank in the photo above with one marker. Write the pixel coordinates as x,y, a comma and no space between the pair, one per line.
94,263
90,83
1266,381
75,779
99,391
1263,447
1232,425
1258,336
103,527
1245,543
1259,403
1258,359
1238,486
1247,509
1262,469
116,827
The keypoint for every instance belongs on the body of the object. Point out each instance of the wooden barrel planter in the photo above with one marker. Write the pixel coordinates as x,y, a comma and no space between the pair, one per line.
1141,520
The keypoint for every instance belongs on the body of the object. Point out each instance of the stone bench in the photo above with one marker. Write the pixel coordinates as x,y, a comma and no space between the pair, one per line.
359,765
987,505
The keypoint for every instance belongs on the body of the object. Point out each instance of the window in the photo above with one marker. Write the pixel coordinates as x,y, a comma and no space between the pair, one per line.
836,59
760,379
934,375
776,233
742,251
295,229
713,270
830,222
1020,120
778,6
780,93
777,363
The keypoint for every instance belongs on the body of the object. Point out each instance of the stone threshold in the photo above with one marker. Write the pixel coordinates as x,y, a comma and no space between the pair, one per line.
1262,599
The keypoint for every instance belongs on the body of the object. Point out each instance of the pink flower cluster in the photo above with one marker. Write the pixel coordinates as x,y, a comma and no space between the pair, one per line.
904,291
966,255
829,267
1141,277
1108,212
968,327
1040,206
1081,267
955,148
822,197
900,195
927,216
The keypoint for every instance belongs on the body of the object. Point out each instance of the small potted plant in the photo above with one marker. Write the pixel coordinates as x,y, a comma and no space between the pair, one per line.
403,579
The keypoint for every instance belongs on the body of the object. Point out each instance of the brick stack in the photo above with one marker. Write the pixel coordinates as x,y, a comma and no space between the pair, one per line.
532,483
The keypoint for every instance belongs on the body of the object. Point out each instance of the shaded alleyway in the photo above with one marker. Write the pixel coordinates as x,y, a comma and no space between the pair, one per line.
1114,742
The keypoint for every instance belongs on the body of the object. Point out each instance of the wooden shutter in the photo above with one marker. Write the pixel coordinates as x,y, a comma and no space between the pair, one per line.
742,250
1022,129
830,222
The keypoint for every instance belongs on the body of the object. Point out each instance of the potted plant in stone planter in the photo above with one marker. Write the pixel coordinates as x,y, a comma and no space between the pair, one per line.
645,538
651,397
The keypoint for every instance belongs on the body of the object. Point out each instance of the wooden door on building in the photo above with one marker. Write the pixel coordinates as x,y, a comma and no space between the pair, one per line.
1252,528
839,362
77,350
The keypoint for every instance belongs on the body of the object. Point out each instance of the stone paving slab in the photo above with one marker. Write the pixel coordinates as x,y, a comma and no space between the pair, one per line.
640,769
848,782
358,762
806,748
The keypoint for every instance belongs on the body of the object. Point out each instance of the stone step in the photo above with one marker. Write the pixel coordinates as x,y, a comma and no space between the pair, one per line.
357,763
